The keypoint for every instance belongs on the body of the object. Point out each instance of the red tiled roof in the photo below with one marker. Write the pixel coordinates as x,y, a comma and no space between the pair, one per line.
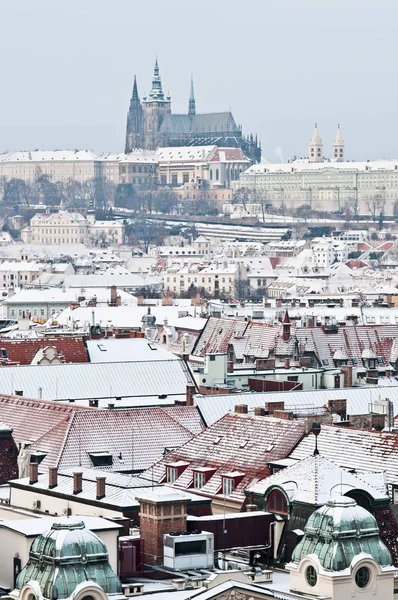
236,443
385,246
32,419
217,334
275,261
22,352
135,438
353,340
230,154
363,246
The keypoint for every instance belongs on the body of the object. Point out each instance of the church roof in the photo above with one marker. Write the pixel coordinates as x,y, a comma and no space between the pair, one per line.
222,121
340,531
202,123
64,557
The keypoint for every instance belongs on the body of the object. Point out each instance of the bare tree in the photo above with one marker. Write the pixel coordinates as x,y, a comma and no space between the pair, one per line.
351,205
375,205
241,196
265,205
303,211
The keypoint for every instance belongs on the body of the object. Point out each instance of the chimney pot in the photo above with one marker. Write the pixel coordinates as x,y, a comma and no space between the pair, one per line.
52,477
189,394
100,487
33,473
77,482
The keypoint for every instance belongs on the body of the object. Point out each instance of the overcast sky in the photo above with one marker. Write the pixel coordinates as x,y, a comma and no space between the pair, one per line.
67,69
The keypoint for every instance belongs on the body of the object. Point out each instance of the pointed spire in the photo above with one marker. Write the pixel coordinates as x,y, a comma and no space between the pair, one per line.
338,146
315,151
315,139
135,90
156,93
192,104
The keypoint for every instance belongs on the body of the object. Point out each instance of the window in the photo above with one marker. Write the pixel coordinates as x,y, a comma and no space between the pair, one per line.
362,577
276,502
198,479
172,474
185,177
228,485
174,180
101,459
311,576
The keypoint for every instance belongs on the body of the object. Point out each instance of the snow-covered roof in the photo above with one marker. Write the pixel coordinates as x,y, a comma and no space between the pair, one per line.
305,165
48,155
185,153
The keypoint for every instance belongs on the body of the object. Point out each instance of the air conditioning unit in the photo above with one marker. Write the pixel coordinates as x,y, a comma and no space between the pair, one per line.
67,512
36,504
186,551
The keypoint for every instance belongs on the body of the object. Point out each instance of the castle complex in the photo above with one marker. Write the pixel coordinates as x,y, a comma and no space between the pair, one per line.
151,124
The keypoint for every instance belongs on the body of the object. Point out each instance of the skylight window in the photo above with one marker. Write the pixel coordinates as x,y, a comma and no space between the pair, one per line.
101,459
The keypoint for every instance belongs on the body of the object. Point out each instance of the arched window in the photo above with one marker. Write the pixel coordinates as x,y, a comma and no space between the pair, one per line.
276,502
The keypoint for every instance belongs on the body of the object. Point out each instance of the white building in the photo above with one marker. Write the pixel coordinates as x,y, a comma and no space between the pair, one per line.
217,279
63,227
326,185
327,251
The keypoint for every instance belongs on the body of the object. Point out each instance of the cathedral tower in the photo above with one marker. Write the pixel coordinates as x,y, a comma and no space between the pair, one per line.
315,153
155,107
192,104
134,129
338,146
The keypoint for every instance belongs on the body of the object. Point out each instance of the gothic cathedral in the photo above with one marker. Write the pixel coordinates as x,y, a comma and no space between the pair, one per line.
151,124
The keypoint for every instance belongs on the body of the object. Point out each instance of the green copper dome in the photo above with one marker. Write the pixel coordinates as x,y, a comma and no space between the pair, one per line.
65,556
339,531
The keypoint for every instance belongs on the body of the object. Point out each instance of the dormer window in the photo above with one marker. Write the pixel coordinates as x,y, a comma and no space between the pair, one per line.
172,474
228,486
277,503
101,459
174,470
201,476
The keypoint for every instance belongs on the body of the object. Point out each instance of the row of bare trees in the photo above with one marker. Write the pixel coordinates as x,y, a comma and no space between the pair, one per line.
71,194
375,205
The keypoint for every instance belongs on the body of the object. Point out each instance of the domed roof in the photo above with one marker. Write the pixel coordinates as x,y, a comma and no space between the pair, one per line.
339,531
149,320
64,557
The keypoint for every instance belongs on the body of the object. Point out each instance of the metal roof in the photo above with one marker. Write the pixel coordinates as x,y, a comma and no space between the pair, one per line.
359,400
98,380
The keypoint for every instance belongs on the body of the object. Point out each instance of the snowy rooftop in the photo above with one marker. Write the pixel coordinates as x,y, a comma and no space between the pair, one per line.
305,165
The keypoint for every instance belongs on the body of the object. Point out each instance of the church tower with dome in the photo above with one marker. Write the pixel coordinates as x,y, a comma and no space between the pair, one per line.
341,555
68,561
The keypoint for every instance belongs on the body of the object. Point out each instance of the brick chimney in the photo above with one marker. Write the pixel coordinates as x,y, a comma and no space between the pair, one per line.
77,482
259,411
8,455
270,407
161,512
100,487
241,409
52,477
230,366
189,394
33,473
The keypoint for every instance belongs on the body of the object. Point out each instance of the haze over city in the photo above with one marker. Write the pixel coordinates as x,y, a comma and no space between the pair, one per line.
279,65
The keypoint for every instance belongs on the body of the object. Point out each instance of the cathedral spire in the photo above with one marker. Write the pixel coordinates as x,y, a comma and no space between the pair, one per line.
192,104
135,97
156,93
